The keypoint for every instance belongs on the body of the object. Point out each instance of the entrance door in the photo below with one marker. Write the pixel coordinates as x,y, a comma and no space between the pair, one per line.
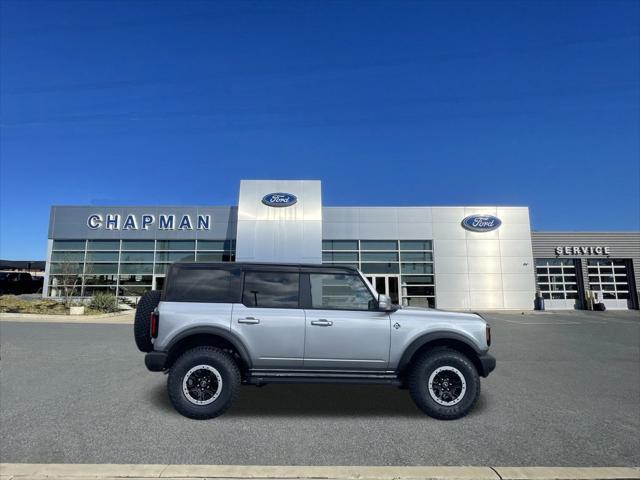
387,285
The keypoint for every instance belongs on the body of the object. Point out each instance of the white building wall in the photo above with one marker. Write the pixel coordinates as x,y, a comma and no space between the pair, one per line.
279,234
483,270
473,270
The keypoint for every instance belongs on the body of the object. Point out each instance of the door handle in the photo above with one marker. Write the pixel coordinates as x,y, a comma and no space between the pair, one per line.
249,320
322,322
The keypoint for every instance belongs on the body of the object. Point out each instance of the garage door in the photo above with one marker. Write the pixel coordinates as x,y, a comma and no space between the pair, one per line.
610,280
558,283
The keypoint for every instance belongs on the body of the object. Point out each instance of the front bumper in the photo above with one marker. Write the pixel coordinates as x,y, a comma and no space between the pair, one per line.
487,364
155,361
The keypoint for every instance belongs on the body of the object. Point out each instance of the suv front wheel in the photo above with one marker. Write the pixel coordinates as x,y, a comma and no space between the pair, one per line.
444,384
203,382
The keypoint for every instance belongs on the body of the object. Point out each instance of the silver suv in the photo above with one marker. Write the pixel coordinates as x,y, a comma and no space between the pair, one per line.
219,325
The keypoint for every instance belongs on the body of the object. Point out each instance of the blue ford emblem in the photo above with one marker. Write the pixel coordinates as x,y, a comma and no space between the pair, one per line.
481,223
279,199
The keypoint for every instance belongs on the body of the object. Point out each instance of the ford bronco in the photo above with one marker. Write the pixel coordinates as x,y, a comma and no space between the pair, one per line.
216,326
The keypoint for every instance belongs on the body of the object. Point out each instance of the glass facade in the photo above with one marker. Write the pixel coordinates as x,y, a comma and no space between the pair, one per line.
125,267
402,269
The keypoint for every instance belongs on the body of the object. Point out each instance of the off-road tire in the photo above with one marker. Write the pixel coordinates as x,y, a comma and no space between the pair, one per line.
418,381
142,324
214,357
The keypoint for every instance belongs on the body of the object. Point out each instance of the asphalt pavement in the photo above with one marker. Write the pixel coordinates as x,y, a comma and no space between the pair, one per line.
566,392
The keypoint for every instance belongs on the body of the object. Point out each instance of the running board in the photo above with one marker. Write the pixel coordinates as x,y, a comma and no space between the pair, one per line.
264,377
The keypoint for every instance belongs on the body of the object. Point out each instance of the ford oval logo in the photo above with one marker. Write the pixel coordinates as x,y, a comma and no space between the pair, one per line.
481,223
279,199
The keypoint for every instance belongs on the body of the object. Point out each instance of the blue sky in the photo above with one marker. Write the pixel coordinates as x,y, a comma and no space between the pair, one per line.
388,103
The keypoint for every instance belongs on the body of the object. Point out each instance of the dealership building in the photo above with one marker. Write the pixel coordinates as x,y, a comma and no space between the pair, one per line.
462,257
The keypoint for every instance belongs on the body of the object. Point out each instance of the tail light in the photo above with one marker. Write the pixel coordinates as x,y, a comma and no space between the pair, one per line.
488,336
155,323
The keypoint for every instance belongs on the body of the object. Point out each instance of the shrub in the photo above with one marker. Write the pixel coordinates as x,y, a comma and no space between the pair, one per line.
13,304
104,302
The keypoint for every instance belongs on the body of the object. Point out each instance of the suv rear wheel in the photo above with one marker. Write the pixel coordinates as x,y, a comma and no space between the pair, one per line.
444,384
203,382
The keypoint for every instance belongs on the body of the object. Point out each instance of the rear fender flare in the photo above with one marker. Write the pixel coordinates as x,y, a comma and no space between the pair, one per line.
217,331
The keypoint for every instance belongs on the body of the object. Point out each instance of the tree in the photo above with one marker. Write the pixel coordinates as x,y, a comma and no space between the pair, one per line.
68,275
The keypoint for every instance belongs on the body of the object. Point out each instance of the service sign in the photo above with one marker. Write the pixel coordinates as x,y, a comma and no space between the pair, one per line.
279,199
481,223
583,250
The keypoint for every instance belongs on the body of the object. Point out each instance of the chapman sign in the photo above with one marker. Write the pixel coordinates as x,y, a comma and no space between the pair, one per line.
144,222
588,250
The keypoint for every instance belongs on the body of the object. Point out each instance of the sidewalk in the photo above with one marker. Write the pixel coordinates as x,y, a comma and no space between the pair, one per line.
18,471
107,318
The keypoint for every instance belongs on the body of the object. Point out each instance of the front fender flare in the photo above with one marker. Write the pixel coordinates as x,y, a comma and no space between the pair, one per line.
422,340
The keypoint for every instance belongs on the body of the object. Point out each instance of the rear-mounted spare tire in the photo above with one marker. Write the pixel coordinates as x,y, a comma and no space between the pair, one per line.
142,325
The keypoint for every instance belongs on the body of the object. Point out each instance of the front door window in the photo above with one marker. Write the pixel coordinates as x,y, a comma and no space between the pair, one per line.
340,291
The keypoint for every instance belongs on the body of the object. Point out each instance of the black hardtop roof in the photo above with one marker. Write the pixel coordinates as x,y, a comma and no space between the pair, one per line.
268,266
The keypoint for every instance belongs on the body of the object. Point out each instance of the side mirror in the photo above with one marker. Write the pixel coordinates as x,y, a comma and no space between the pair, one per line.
385,304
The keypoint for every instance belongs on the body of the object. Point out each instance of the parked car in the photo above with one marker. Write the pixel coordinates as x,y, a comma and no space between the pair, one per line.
18,283
36,284
216,326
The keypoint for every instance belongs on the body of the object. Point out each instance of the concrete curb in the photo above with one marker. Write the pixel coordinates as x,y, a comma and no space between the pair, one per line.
107,318
24,471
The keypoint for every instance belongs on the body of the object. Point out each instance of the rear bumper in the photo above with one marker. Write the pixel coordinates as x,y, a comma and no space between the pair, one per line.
155,361
487,364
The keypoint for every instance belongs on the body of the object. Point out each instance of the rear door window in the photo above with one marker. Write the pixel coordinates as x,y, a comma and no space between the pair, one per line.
271,290
202,285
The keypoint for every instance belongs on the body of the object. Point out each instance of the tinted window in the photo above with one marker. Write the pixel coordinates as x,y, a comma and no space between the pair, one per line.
340,245
415,245
201,285
215,244
338,291
67,256
176,245
271,289
379,245
175,256
102,256
103,245
136,257
339,256
138,244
